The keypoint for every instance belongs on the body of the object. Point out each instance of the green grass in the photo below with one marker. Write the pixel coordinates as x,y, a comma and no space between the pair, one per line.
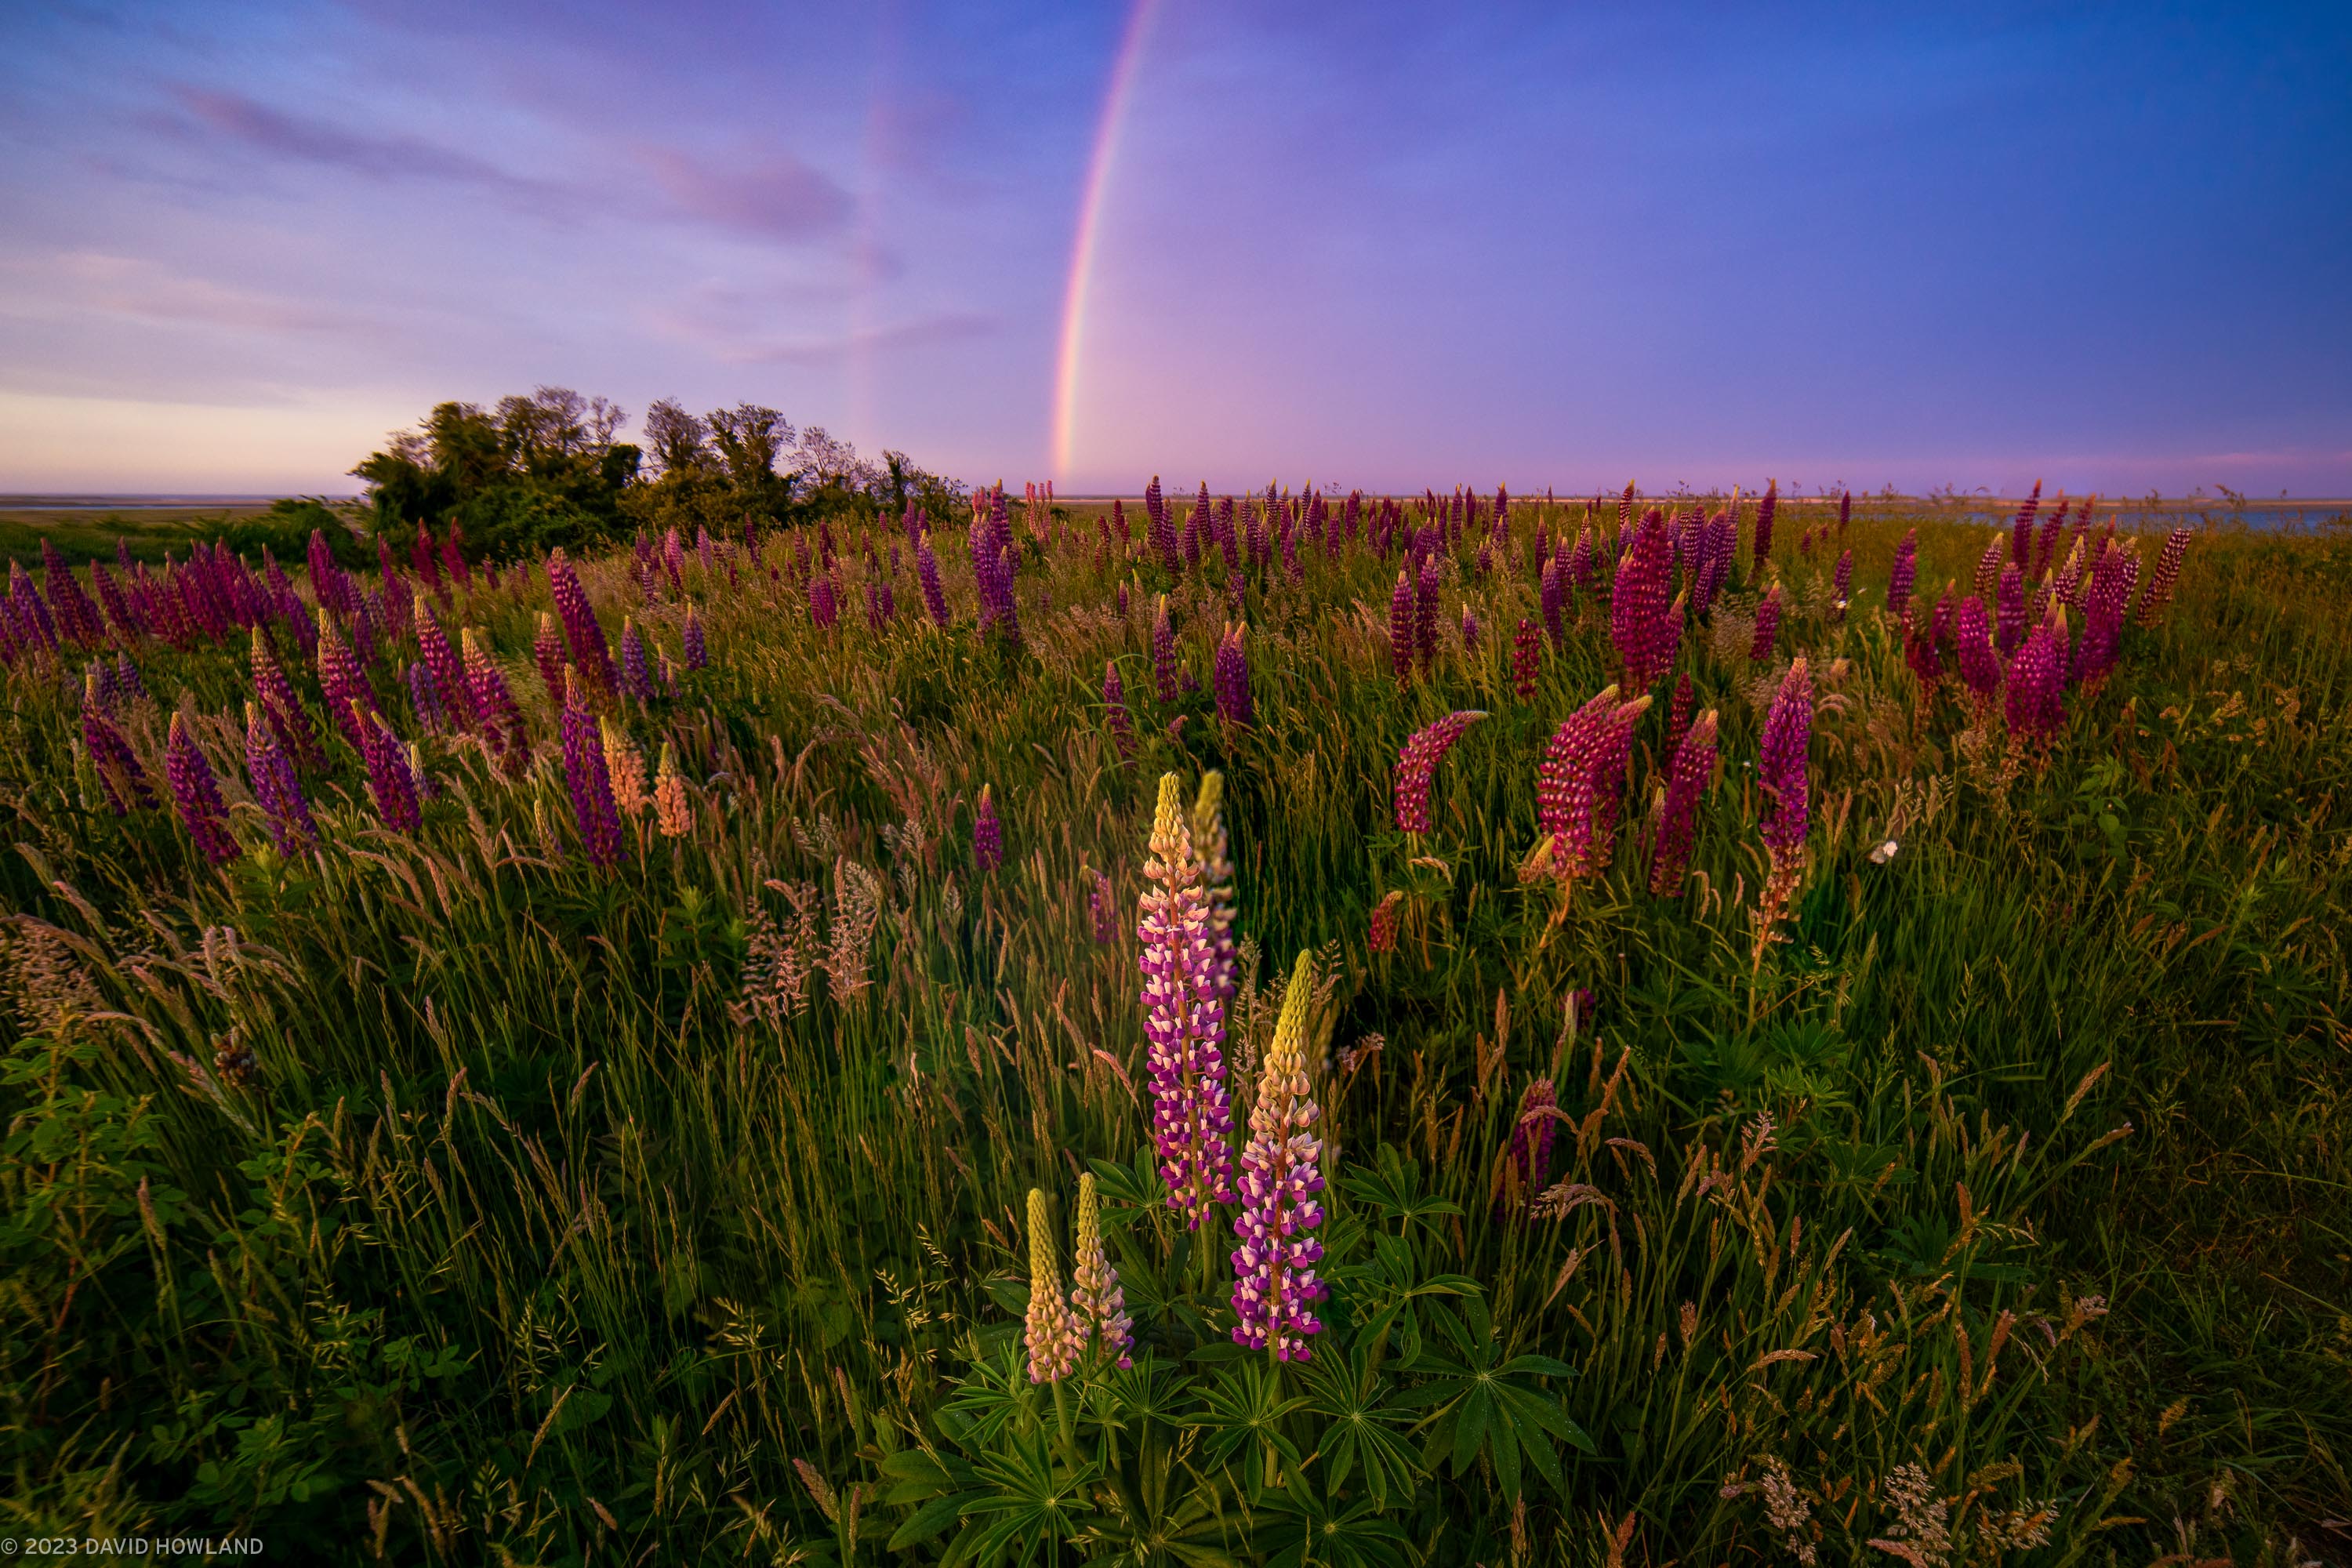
536,1236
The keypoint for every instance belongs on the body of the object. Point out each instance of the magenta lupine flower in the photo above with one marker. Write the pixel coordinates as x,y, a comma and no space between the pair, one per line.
282,709
1842,582
77,616
697,648
1469,630
1553,599
390,783
590,779
425,698
1527,660
424,562
1987,578
1164,653
1718,545
1233,680
453,559
1273,1268
2021,533
197,796
1764,511
1580,780
1845,511
547,653
1418,762
448,672
347,690
1899,580
1638,603
1184,1017
35,625
1400,633
2160,581
987,833
1919,652
333,590
120,776
926,569
636,677
1694,767
276,787
1583,562
673,549
2037,685
1788,727
881,604
1767,625
2009,613
823,606
591,656
495,710
1527,1166
1122,727
2104,608
1678,715
120,611
1980,666
2045,544
1424,618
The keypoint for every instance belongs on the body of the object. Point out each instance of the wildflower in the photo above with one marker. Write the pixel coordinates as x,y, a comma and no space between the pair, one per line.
1842,580
1214,851
391,782
1637,609
1580,781
987,833
449,671
75,614
1527,660
1053,1332
2037,683
672,809
1184,1018
423,780
1899,580
591,657
425,698
2103,607
1988,567
1693,764
276,787
1163,654
1380,933
627,768
588,778
547,653
1095,1297
1122,727
2159,583
346,689
2020,534
120,776
1400,633
1980,666
1780,771
637,680
1532,1133
927,570
1233,681
1764,511
1767,625
1469,630
1418,763
1102,909
823,605
698,649
1679,716
1273,1268
500,720
1424,614
281,709
2010,612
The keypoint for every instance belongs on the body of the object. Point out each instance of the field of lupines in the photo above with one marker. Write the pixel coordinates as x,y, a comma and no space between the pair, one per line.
1309,1030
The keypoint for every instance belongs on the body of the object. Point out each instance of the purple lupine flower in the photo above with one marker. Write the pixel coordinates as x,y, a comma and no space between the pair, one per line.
1767,625
823,606
1678,715
2009,614
391,783
447,670
1424,613
1899,580
75,614
495,710
1788,727
697,648
1164,653
1526,659
1579,780
1400,633
1842,580
1583,561
591,656
637,677
1987,578
2037,685
1637,606
425,698
1763,549
1273,1268
1232,678
590,779
1102,910
1721,543
276,787
881,604
1845,511
2020,535
926,569
547,653
1096,1299
2045,544
1114,693
2104,608
120,610
282,709
1213,849
1694,767
2160,581
33,623
1552,597
120,776
329,585
673,555
1469,629
1184,1017
197,794
1527,1166
347,691
987,834
1980,666
1418,762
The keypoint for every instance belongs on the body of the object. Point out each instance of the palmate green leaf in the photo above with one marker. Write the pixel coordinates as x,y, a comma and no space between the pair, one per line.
1301,1528
1361,1431
1485,1405
1027,1501
1245,1405
1394,1187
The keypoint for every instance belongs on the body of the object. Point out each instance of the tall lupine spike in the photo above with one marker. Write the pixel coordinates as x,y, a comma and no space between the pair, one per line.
1845,511
927,570
1526,1166
588,778
673,807
1679,716
591,657
624,766
1184,1017
1417,763
698,647
1767,625
987,833
1980,666
34,620
347,691
1401,628
1424,613
1842,582
1693,768
1164,653
1114,695
1527,660
425,698
2037,686
2160,582
1899,580
449,669
2010,608
2104,609
1214,849
197,794
496,714
636,677
1102,909
1469,629
1987,579
1274,1285
2045,542
276,788
1638,605
1580,781
120,612
282,709
1781,775
547,653
1553,598
1764,512
79,618
1094,1295
2020,534
1053,1333
120,778
824,603
392,783
1231,678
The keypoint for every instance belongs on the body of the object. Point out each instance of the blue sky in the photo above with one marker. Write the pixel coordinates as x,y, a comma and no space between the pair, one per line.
1370,245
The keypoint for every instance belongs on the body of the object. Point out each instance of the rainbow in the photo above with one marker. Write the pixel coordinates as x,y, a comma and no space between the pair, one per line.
1082,251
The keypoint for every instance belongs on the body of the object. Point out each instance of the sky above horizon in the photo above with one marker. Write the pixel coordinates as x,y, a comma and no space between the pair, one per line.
1369,244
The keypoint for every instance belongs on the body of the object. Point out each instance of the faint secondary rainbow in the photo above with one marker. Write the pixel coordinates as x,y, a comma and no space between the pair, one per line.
1082,251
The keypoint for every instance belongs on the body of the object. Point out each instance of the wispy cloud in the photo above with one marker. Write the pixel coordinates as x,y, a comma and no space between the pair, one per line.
149,290
292,138
771,194
945,328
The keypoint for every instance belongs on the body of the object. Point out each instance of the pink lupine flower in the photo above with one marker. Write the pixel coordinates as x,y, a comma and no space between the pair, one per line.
282,709
1184,1018
1899,580
2021,533
1980,666
1580,780
1527,660
496,714
1053,1333
1678,714
1781,775
1987,580
2104,608
2010,612
2167,572
591,655
197,796
449,669
274,786
2037,685
1638,605
987,833
1767,625
547,653
1424,613
347,690
1096,1299
589,779
1232,678
1274,1285
1418,763
1694,766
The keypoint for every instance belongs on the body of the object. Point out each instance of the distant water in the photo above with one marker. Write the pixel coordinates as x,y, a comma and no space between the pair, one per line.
133,502
2274,517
